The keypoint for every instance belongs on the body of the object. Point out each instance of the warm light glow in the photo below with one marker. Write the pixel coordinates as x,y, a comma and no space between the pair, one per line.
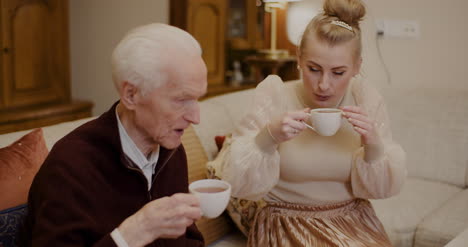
299,15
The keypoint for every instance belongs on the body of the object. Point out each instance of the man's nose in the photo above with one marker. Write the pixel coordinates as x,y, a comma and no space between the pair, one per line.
193,114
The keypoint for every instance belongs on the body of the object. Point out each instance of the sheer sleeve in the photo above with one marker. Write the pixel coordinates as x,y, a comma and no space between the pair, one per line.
383,176
250,160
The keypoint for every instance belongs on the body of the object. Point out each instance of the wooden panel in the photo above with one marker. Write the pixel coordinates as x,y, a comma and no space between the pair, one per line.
254,27
178,13
206,22
38,116
30,64
35,58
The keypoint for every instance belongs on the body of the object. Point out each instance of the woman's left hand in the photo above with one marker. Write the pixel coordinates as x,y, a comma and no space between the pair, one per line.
361,123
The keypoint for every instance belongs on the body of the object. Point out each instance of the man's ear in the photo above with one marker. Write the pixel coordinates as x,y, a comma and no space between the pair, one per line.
128,95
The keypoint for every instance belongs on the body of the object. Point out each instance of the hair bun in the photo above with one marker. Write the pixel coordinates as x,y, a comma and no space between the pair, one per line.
349,11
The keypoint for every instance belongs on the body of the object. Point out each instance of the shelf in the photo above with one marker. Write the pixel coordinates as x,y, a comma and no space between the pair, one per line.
43,115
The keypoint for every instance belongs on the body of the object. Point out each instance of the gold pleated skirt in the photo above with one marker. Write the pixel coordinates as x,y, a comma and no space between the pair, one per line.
349,224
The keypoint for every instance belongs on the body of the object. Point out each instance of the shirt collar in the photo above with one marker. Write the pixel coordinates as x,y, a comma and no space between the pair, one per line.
133,152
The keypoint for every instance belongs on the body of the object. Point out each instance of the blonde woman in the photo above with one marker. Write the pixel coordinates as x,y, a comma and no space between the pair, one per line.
317,188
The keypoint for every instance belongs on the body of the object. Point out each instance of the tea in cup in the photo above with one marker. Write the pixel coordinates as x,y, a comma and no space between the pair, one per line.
213,194
325,121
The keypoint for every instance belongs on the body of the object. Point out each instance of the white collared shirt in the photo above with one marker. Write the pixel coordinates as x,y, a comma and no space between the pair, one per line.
130,149
147,166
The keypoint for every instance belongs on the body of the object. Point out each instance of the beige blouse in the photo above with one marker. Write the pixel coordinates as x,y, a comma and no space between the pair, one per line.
310,169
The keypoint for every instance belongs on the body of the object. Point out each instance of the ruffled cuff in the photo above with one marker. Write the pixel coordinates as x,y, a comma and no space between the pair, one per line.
265,141
373,152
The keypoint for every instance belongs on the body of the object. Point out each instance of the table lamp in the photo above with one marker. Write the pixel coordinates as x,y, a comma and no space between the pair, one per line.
270,7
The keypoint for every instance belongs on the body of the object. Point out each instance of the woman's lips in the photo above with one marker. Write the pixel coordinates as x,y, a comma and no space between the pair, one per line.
322,97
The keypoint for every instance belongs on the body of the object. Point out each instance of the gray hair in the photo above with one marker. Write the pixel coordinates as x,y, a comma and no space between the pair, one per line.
141,56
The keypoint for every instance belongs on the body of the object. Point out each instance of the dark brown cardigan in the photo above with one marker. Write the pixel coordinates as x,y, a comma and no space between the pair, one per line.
87,187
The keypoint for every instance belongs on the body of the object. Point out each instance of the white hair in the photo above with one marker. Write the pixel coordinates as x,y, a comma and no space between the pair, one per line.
141,56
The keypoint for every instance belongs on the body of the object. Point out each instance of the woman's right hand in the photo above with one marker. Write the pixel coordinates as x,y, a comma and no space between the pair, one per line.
288,125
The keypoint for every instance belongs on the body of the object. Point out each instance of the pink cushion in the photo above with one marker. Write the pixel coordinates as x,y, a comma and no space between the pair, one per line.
19,163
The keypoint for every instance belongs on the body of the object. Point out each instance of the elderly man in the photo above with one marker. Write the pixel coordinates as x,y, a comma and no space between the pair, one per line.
121,179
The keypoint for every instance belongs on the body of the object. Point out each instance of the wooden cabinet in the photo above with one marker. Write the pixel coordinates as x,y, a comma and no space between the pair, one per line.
245,25
206,21
35,59
229,32
35,64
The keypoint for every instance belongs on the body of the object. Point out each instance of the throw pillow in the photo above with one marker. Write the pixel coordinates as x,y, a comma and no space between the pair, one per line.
10,222
241,211
19,163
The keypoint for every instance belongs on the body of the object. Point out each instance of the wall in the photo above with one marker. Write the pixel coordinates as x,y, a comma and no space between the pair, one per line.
437,59
95,29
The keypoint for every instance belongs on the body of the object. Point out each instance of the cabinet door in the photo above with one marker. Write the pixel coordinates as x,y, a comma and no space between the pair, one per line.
35,59
206,21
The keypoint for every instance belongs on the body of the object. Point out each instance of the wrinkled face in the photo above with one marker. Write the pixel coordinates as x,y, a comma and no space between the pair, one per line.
163,113
326,72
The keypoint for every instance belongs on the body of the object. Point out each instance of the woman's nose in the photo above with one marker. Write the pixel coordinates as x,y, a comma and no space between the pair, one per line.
324,83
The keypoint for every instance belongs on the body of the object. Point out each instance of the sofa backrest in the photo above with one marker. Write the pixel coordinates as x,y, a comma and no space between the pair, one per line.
51,133
219,116
432,127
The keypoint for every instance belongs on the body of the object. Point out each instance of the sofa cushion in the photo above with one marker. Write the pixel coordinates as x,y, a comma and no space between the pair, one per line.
19,163
460,240
11,220
431,125
445,223
402,213
51,133
211,125
211,229
55,132
219,116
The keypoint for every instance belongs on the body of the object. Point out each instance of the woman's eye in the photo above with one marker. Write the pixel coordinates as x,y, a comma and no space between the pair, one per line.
313,69
338,72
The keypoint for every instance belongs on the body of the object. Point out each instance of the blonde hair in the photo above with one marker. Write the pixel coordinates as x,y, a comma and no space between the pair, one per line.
350,12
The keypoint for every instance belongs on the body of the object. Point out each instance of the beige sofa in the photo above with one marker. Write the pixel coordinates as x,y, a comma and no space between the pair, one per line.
432,126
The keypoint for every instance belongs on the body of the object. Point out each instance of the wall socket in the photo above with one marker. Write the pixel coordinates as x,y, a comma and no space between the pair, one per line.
398,28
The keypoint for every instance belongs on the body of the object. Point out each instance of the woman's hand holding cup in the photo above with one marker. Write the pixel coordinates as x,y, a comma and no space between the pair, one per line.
288,126
361,123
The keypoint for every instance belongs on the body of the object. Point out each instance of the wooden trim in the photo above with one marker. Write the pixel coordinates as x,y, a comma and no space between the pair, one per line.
39,116
178,13
67,56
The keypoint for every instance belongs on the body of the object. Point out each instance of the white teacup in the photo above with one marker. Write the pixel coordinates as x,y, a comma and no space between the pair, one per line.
325,121
213,194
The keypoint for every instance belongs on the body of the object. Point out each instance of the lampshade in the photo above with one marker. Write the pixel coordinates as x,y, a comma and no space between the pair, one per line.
298,16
